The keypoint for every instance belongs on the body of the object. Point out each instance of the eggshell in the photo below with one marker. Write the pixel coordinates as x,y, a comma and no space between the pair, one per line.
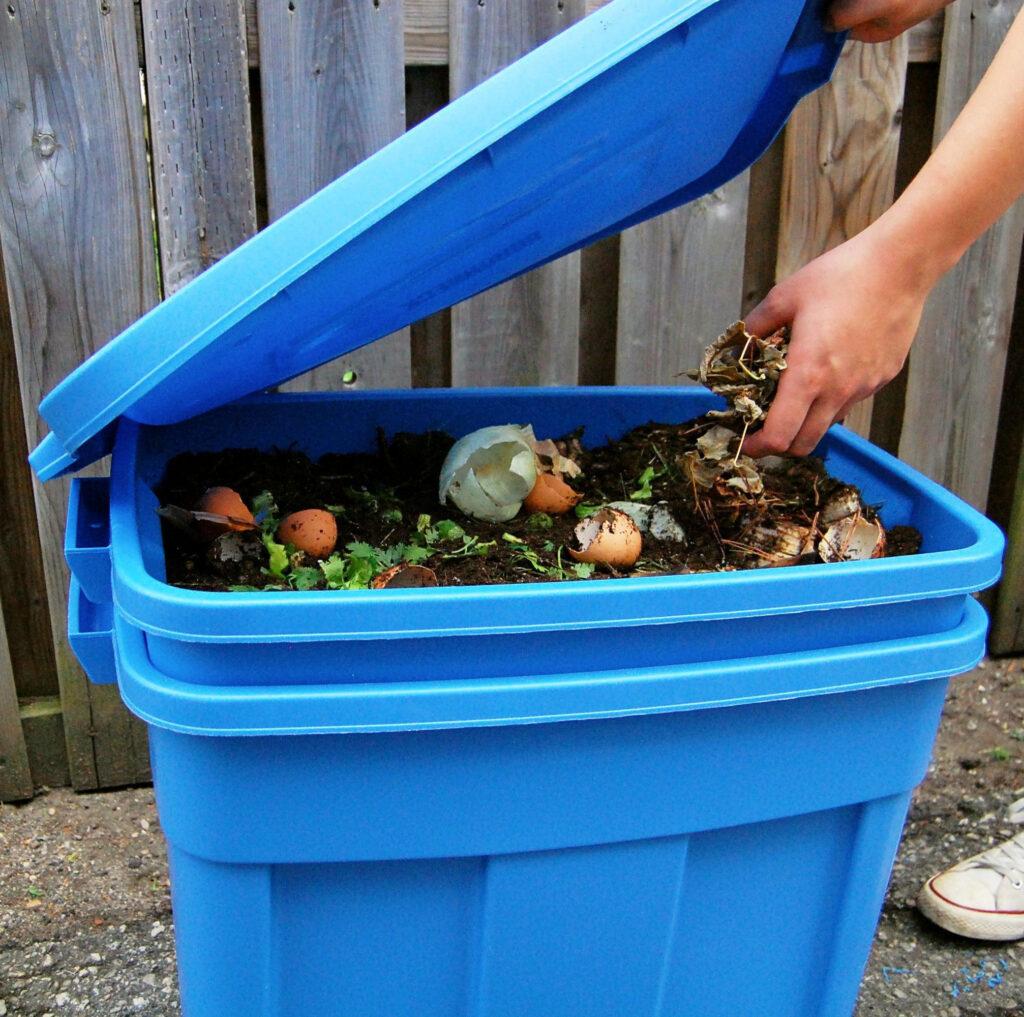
223,501
552,495
608,537
404,577
852,539
314,531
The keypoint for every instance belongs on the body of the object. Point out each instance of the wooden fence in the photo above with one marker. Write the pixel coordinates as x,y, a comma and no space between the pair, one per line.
140,142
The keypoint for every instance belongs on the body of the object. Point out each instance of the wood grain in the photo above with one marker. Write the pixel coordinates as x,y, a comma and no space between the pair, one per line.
1008,622
839,166
526,331
426,33
333,92
77,236
198,96
680,284
22,581
957,363
15,776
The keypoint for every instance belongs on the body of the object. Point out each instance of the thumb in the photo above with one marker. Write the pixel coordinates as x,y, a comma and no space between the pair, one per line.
777,309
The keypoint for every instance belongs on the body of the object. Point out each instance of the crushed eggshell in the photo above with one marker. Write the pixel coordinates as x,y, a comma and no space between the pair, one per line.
657,519
608,537
404,576
221,510
552,495
852,539
489,472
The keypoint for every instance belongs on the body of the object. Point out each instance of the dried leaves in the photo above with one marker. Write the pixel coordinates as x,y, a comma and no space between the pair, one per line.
766,503
745,370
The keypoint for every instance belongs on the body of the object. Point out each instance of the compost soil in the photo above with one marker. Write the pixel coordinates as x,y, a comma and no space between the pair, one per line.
383,499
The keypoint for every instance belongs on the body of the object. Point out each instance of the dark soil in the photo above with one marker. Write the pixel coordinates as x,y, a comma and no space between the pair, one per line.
380,500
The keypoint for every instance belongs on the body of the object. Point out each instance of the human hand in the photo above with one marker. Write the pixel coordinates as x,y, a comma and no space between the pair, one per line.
880,20
853,314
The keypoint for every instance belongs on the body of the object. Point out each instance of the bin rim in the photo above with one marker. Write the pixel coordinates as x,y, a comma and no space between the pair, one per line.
151,604
253,711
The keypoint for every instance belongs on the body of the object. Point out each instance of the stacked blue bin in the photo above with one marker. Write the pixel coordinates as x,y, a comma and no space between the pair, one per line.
671,796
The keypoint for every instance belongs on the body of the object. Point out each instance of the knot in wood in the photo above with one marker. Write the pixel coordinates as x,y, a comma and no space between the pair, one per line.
45,143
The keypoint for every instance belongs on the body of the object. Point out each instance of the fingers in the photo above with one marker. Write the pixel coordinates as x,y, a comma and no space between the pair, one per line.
772,313
847,14
785,418
877,31
821,417
847,409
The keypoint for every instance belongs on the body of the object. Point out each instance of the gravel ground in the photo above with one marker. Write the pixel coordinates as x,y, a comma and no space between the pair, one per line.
85,914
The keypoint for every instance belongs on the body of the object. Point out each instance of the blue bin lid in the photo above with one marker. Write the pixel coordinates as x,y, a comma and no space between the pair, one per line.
640,107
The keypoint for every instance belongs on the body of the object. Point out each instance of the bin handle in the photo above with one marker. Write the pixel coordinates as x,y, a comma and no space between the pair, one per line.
87,537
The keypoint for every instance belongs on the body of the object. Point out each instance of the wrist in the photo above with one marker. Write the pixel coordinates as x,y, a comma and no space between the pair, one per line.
911,249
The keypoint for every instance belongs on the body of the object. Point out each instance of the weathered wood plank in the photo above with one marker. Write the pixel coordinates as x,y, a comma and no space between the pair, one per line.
1008,621
526,331
680,283
957,363
925,40
599,310
198,93
76,230
762,241
839,168
22,582
1006,494
333,93
15,775
426,91
426,32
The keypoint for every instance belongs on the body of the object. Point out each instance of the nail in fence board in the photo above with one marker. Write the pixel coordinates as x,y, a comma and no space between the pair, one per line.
839,168
77,238
956,367
15,777
197,82
680,284
525,331
333,88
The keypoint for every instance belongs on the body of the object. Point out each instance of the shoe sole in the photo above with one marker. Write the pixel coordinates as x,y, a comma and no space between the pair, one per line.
993,926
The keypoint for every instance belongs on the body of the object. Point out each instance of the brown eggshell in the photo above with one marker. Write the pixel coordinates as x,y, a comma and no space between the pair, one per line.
226,502
314,531
404,577
608,537
552,495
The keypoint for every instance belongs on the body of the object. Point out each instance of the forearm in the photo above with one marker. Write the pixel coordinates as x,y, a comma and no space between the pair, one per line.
972,178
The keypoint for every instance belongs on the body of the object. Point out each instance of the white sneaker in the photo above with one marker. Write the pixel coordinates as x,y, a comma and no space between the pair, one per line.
982,897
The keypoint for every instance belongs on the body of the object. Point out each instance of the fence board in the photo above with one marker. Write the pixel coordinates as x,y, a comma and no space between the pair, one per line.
680,283
839,169
76,230
15,776
333,91
1008,623
198,94
526,331
22,581
956,367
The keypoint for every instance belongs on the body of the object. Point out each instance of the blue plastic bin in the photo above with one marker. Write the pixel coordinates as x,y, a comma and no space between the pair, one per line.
676,796
672,795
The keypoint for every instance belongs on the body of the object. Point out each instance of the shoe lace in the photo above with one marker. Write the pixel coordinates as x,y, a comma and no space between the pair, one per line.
1007,859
